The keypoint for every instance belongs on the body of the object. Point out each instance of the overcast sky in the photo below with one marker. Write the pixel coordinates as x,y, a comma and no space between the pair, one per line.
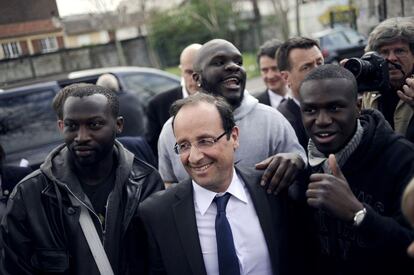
68,7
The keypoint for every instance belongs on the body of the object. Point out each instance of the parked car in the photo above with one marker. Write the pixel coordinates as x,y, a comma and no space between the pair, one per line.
145,82
339,43
28,128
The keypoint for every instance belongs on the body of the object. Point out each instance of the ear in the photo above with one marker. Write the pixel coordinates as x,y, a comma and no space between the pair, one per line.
119,125
359,105
235,137
197,78
285,76
60,125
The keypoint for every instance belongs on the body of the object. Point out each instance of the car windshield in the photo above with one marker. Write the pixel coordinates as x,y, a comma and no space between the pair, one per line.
36,127
353,37
146,85
334,40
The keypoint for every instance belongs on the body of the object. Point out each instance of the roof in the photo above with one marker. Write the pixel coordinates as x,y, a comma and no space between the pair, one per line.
117,70
29,28
87,23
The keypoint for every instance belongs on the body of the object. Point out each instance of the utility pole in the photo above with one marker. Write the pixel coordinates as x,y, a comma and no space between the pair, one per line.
297,17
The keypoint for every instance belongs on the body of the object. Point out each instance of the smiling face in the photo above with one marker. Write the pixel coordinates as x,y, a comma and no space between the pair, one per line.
329,112
211,168
271,75
221,71
89,128
302,61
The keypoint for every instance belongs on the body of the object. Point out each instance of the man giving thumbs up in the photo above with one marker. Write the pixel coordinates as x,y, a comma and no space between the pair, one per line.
359,168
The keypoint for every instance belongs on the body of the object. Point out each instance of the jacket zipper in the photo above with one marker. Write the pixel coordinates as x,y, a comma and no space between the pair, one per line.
87,207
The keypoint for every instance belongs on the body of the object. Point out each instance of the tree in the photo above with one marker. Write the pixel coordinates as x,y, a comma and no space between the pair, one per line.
281,8
196,21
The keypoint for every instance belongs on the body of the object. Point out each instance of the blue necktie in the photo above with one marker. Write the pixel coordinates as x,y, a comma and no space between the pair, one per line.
227,257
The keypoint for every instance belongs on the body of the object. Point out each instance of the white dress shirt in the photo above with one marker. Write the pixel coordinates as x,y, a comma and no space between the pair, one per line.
249,241
275,98
185,92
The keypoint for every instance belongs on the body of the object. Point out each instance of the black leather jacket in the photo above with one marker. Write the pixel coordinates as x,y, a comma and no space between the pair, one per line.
41,231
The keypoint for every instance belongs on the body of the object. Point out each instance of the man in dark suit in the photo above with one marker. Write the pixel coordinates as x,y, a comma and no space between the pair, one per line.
184,231
130,106
296,58
276,87
159,106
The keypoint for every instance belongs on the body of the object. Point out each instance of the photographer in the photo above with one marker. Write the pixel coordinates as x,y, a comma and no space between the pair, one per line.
393,39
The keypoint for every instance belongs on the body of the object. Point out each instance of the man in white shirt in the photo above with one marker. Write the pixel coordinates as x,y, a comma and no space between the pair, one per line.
276,86
184,232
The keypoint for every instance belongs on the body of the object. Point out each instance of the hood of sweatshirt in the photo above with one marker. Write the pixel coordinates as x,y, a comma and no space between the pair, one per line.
248,103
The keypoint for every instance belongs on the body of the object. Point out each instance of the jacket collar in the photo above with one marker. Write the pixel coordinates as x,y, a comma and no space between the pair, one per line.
184,214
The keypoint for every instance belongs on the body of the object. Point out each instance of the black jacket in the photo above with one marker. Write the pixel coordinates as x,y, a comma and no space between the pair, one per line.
263,98
41,231
291,111
377,172
169,217
158,112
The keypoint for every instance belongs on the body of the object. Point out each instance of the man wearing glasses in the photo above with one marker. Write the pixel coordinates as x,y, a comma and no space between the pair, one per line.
267,139
394,40
220,221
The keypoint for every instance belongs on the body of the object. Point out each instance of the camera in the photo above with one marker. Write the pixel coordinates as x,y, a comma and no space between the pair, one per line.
370,71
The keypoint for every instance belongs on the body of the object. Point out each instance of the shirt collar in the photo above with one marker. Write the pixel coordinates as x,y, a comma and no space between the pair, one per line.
185,92
204,197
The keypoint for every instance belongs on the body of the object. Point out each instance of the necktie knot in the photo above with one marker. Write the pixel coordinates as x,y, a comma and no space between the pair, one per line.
221,202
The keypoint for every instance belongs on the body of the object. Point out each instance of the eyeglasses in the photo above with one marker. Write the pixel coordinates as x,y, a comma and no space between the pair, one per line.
398,52
201,144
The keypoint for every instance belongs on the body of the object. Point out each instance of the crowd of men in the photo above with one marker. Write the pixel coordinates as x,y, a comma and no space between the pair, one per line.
300,180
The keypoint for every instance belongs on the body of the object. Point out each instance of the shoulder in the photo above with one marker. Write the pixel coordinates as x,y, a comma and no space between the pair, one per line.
33,184
264,114
263,96
160,202
167,96
141,168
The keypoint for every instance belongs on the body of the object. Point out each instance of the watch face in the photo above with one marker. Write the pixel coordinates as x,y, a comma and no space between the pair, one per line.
359,217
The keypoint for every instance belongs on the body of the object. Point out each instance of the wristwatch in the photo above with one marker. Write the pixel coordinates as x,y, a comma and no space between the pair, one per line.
359,217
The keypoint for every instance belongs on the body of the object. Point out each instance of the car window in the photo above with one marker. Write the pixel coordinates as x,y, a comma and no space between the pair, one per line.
35,127
353,37
334,40
146,85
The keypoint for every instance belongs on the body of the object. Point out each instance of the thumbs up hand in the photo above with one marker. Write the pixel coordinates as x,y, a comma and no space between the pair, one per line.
332,193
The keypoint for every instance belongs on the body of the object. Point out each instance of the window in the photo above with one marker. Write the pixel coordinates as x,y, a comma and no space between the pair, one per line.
146,85
28,125
48,44
11,49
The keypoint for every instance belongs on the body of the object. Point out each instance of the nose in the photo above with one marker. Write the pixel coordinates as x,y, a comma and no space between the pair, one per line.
391,56
82,134
232,66
195,155
323,119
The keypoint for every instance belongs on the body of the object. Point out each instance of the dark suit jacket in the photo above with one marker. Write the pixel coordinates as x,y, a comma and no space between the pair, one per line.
158,112
131,109
263,98
291,111
170,220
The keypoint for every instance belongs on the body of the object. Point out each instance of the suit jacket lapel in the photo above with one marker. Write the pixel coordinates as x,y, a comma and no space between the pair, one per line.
186,224
264,212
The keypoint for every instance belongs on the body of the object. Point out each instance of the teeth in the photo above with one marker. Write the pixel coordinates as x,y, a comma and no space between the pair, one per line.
232,80
324,134
202,168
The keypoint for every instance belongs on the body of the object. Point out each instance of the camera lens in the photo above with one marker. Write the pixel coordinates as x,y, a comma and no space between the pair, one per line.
358,67
355,66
